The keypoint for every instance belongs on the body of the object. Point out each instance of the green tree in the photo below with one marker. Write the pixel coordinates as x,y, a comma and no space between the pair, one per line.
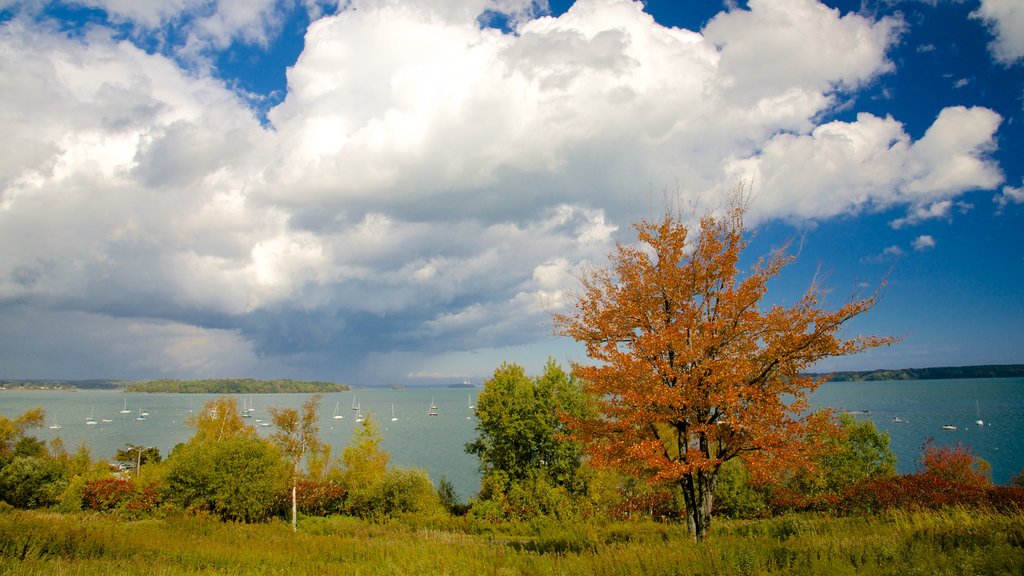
225,468
297,436
238,478
13,430
857,452
365,463
219,419
521,435
32,482
136,455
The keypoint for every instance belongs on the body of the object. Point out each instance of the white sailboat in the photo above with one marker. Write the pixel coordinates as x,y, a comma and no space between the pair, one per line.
393,417
359,412
433,408
977,409
354,405
55,426
336,415
125,410
246,412
90,421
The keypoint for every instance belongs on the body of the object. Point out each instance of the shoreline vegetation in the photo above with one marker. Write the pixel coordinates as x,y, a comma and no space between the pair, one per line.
937,373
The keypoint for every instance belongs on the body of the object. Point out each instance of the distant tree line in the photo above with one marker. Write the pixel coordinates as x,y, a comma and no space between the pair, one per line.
942,373
62,384
236,386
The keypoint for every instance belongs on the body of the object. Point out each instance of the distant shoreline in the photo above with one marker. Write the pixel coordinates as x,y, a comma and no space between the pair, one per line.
940,373
206,386
256,386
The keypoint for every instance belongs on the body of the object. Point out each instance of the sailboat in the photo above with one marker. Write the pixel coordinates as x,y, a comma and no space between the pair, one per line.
55,426
433,408
979,421
354,405
359,413
125,410
246,412
251,407
336,415
470,401
90,421
393,417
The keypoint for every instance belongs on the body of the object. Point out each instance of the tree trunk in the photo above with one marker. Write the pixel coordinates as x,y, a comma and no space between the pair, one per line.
699,494
295,525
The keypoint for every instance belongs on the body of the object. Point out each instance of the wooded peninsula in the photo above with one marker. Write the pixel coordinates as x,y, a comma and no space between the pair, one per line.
943,373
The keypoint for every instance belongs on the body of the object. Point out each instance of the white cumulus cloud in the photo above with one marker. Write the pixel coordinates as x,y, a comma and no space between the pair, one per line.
428,186
1005,19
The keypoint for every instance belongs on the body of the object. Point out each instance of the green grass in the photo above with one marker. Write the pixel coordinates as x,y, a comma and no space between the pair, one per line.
953,541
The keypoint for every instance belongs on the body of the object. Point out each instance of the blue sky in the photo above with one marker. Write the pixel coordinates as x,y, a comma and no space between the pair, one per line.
389,191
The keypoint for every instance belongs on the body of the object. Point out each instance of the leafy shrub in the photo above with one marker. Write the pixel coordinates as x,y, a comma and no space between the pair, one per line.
735,496
31,482
927,491
399,491
238,479
321,497
957,464
106,494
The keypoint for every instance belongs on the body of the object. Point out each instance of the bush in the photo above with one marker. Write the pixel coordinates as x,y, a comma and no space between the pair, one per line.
957,464
238,479
927,491
106,494
321,497
399,491
32,482
735,497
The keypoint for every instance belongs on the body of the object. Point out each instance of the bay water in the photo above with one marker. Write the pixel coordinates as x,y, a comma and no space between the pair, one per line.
911,412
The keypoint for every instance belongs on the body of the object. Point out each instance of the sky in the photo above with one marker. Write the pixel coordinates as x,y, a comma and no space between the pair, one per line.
402,191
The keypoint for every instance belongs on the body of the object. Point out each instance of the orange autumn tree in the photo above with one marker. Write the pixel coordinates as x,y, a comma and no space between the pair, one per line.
690,370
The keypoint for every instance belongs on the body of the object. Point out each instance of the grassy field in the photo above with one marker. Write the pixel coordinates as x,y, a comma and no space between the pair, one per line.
953,541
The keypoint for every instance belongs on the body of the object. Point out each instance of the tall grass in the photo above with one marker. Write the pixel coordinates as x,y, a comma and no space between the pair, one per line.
952,541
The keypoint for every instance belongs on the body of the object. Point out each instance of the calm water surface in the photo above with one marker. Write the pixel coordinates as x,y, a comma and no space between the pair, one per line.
435,443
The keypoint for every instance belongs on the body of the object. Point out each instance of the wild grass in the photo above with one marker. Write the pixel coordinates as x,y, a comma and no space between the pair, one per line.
952,541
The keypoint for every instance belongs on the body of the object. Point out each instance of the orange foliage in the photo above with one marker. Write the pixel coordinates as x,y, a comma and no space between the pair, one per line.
690,370
955,464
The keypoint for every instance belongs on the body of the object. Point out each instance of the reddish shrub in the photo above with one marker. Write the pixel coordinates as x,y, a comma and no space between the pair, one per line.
113,493
106,494
920,491
956,465
320,498
785,499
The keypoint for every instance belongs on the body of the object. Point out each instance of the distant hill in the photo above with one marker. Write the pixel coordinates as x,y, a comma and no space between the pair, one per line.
944,373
